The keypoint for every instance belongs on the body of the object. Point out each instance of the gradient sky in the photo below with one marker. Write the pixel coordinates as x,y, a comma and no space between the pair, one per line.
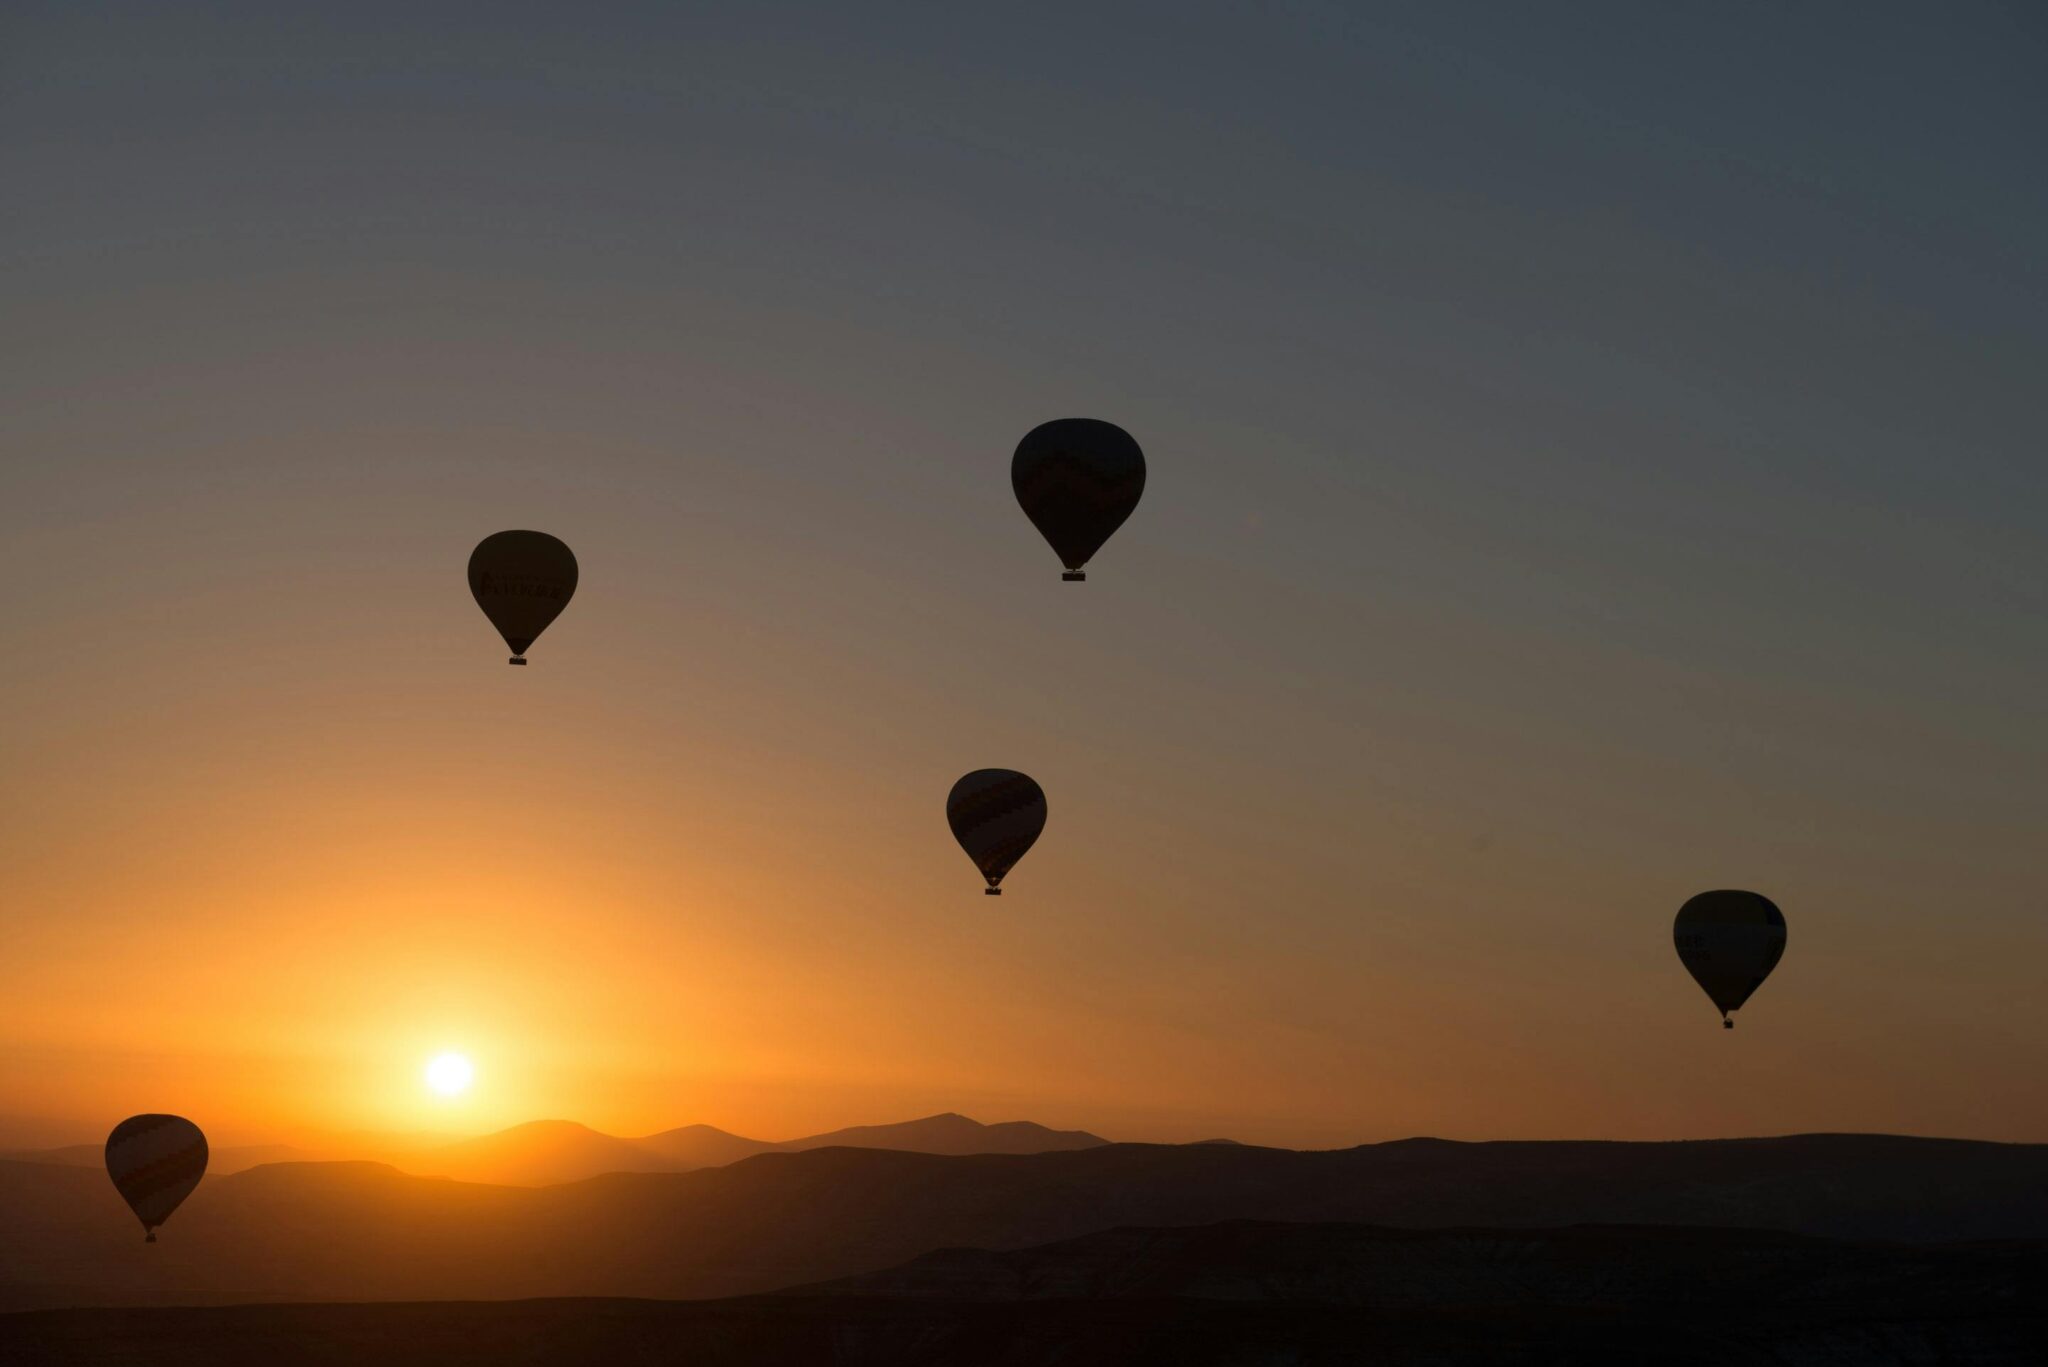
1594,457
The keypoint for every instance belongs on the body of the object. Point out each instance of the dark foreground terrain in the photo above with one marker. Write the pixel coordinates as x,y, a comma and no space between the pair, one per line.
1235,1293
337,1232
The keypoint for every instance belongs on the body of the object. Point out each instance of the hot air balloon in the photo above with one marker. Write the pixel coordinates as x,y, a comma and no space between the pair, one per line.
996,815
1077,479
155,1161
522,581
1729,941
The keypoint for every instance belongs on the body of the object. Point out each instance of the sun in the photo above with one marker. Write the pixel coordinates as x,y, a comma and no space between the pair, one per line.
449,1074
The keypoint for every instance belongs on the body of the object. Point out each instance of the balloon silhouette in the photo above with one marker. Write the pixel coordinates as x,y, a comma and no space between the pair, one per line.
155,1161
1729,941
1077,479
996,815
522,581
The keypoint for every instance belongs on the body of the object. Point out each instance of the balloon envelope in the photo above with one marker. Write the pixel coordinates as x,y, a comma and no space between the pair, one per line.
1729,941
1077,480
522,581
996,815
155,1161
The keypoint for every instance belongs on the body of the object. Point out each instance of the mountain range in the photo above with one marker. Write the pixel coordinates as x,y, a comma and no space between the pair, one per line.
365,1231
548,1152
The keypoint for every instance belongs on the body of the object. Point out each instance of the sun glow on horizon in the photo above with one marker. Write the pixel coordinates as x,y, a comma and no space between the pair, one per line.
449,1074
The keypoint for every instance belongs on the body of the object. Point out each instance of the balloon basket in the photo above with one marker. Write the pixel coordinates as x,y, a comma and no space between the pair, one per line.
150,1237
516,660
1074,576
1727,1025
991,892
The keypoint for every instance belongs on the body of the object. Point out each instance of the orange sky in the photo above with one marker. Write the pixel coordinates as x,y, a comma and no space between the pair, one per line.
1508,573
687,867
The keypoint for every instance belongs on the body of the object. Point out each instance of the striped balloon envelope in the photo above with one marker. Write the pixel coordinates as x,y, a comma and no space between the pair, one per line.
1077,479
1729,941
996,815
155,1161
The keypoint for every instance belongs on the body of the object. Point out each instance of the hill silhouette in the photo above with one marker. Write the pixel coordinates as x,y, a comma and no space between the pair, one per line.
950,1133
1239,1292
545,1152
362,1231
1583,1266
540,1153
699,1146
220,1162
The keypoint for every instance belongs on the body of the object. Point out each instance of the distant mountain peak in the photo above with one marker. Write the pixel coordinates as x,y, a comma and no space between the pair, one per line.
693,1129
555,1151
951,1133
